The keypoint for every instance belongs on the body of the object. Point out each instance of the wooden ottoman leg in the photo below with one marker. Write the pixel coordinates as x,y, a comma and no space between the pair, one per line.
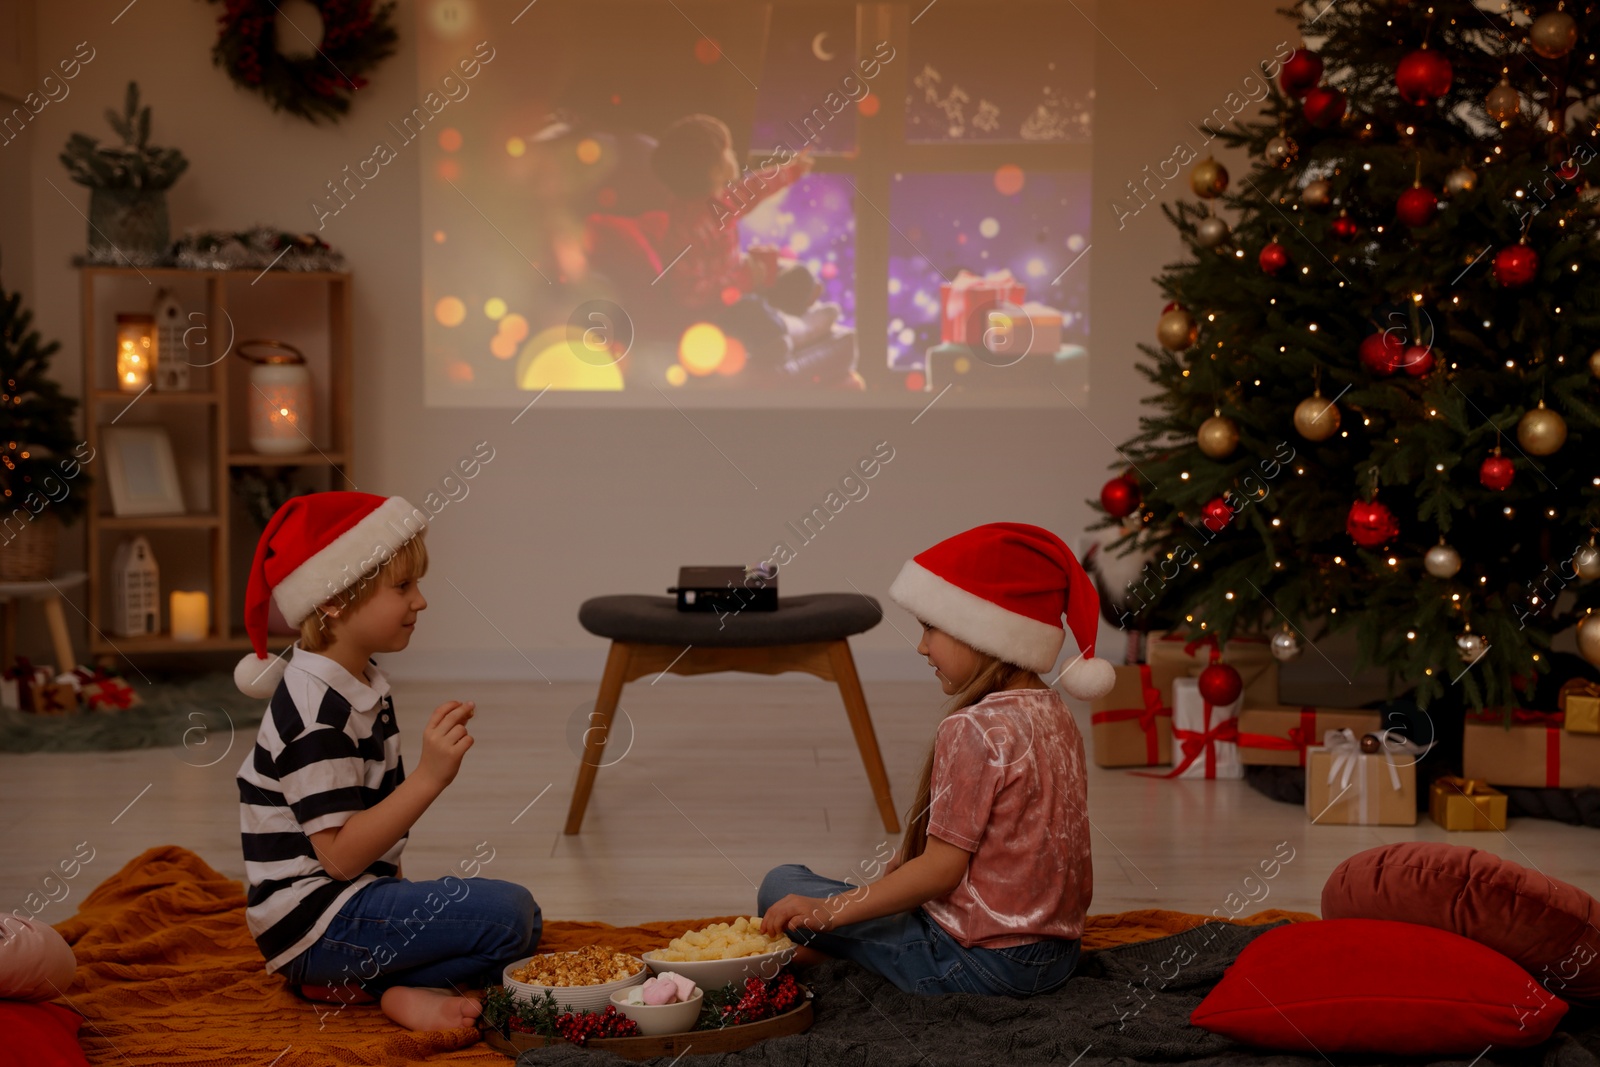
855,704
594,738
58,634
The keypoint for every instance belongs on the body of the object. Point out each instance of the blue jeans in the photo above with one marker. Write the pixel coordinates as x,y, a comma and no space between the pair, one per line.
914,952
449,933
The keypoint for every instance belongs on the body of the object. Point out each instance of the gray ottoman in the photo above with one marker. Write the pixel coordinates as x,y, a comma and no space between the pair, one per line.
649,635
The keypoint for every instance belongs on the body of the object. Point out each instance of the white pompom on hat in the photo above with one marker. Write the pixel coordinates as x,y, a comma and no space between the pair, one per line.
1002,588
314,548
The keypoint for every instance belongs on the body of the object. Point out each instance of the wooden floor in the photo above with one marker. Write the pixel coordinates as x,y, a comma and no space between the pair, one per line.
724,779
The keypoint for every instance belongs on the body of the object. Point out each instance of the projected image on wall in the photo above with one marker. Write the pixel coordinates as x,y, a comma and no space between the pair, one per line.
791,200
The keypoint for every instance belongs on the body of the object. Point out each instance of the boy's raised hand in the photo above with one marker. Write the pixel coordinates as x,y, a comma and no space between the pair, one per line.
444,741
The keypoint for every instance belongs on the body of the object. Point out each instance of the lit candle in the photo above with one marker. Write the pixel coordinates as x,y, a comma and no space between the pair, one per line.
136,351
280,398
191,616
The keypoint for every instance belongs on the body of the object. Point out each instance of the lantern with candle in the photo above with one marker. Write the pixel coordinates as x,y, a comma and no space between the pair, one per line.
190,615
137,351
280,397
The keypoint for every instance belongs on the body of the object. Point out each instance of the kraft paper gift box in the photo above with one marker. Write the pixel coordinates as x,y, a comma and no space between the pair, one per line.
1466,804
1206,734
1043,329
1580,704
1132,724
1280,737
1172,656
963,301
1536,751
1348,787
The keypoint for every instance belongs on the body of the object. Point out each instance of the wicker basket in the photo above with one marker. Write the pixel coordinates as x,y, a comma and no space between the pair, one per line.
30,556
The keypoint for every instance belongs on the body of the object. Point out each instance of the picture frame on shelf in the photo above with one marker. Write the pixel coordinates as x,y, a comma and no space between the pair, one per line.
141,472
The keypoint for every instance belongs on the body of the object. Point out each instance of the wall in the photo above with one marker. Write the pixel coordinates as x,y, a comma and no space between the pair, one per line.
578,503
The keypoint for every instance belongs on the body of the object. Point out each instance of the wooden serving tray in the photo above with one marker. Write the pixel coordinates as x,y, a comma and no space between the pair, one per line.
693,1042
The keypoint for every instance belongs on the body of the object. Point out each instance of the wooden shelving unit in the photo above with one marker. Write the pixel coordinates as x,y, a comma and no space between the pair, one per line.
209,545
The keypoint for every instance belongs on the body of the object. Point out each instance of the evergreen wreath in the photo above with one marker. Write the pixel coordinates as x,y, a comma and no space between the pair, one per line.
357,36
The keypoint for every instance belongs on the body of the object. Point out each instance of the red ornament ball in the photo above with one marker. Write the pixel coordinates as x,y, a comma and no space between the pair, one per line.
1323,107
1220,685
1371,524
1417,360
1120,497
1216,514
1301,72
1423,76
1344,227
1382,353
1496,473
1417,206
1568,170
1516,266
1274,257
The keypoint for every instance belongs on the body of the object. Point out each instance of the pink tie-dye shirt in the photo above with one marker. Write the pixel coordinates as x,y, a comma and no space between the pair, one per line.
1008,786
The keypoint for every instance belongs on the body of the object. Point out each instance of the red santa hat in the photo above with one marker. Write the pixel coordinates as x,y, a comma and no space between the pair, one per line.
1002,588
314,548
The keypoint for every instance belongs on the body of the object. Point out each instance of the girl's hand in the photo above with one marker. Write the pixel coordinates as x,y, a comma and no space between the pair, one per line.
444,742
794,912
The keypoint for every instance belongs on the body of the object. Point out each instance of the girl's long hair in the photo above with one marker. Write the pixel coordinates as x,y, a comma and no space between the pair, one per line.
991,676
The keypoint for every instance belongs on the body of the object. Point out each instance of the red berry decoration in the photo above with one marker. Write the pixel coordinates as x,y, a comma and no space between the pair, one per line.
1220,685
1382,353
1323,107
1423,76
1496,472
1301,72
1120,497
1516,266
1417,206
1371,524
1345,227
1417,360
1274,257
1216,515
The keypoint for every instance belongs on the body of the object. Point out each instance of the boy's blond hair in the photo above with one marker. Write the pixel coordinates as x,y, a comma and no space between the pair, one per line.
409,562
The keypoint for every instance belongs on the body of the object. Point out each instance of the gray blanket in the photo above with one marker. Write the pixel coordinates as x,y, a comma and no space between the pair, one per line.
1128,1004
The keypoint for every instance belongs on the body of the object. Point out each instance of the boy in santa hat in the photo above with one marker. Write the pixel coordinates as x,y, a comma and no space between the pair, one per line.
325,801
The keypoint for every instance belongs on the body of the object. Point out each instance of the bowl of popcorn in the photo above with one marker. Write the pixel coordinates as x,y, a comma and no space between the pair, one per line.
582,980
666,1004
723,953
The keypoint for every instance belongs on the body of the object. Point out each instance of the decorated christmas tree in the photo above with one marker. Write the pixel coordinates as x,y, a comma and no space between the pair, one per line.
1379,375
39,466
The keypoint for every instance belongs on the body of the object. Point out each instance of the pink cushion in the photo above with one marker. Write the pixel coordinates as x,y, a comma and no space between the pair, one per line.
36,963
1367,985
39,1035
1550,928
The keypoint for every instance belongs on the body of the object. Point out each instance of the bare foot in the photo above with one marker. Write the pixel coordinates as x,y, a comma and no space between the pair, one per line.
416,1008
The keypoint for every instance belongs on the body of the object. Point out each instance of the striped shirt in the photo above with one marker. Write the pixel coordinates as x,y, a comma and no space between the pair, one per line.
328,747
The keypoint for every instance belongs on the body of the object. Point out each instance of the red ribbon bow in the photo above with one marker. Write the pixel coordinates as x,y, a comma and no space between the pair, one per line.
113,693
1299,739
1194,742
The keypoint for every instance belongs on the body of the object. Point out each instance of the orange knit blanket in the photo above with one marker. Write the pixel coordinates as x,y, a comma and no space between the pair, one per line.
168,976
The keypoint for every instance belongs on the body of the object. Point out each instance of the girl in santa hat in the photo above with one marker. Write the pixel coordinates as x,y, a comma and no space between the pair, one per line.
993,879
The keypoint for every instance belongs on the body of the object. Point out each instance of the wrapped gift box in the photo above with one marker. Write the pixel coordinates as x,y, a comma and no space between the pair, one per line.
1348,787
1534,751
1173,656
1206,734
1466,804
1580,704
22,680
1132,724
1043,329
1281,736
963,301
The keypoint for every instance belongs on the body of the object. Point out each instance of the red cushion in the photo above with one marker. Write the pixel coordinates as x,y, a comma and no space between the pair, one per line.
1549,927
39,1035
1371,985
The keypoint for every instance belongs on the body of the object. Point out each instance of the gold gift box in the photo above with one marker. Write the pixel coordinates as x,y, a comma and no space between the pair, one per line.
1466,804
1580,703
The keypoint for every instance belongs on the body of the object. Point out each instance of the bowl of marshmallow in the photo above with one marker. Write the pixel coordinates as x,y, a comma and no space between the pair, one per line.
666,1004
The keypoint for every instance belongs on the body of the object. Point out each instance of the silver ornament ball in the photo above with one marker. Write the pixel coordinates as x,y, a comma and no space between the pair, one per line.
1461,180
1586,561
1285,646
1471,646
1281,151
1211,232
1442,561
1317,194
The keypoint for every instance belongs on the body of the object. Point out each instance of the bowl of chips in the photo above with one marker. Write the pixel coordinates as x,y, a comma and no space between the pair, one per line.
723,953
582,980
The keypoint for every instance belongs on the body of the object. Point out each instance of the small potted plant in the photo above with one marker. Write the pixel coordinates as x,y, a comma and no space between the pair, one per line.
128,182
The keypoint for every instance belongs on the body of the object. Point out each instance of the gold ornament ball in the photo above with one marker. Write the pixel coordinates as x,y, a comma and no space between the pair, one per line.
1503,103
1589,638
1208,178
1281,151
1177,330
1316,418
1541,432
1594,363
1461,180
1218,437
1317,194
1442,561
1553,34
1211,232
1586,561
